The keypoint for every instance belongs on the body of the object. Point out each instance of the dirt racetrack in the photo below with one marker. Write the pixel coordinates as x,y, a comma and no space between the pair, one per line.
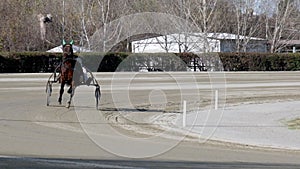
135,106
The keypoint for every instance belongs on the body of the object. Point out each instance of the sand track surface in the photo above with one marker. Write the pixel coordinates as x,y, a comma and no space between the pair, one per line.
149,105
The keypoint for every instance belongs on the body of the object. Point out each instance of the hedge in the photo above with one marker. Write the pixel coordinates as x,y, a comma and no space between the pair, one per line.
28,62
260,61
33,62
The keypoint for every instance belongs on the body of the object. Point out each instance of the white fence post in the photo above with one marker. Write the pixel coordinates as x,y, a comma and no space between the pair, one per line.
184,114
216,99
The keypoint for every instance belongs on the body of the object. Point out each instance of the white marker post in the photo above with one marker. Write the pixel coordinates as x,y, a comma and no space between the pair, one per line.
184,114
216,99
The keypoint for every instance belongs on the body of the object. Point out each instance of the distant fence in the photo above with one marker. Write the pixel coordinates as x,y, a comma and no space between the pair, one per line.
34,62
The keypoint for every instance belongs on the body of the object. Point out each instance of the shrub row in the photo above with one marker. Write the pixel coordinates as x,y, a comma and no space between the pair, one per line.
32,62
28,62
260,61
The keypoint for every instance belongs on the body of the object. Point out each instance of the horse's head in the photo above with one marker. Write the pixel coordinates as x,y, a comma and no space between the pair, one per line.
68,49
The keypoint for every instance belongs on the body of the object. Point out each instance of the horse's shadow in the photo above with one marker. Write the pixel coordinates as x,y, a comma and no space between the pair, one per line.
72,106
134,110
112,109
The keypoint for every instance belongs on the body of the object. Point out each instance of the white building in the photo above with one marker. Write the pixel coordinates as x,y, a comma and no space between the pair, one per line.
76,49
197,43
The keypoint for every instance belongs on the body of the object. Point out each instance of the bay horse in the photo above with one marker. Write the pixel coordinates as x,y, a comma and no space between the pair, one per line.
70,72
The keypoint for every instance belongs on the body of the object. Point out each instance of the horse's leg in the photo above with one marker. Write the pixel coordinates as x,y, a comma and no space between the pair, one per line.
62,86
71,94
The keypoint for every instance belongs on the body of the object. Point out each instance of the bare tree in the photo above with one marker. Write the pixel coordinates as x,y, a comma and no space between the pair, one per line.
78,19
283,21
247,23
202,14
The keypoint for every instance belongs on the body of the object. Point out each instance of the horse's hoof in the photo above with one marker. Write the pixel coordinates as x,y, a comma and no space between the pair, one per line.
70,90
68,105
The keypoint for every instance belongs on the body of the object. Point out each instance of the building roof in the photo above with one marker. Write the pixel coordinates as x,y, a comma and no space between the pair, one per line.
229,36
193,37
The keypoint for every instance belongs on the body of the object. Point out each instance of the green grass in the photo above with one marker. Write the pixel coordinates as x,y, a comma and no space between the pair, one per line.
294,124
